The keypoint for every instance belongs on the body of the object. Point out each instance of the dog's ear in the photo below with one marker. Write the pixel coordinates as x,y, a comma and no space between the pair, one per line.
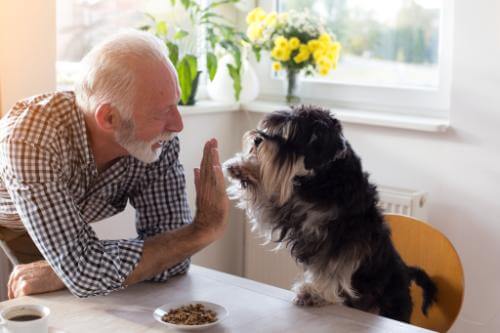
324,143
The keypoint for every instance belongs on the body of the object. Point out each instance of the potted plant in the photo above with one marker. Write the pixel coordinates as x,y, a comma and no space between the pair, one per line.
218,33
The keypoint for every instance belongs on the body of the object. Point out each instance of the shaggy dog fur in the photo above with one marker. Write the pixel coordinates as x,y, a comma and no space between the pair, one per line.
303,186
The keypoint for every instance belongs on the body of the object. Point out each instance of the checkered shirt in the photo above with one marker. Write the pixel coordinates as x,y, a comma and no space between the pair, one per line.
49,185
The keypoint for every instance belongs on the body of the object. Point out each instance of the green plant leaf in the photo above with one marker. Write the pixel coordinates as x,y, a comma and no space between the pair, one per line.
256,50
208,15
172,2
193,64
221,2
161,28
211,65
185,79
150,16
173,53
194,89
212,37
245,38
237,56
186,3
181,34
235,75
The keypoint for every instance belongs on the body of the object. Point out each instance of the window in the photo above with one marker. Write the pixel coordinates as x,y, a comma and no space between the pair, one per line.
81,24
396,53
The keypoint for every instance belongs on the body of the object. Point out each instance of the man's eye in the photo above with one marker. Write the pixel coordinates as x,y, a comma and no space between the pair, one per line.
257,141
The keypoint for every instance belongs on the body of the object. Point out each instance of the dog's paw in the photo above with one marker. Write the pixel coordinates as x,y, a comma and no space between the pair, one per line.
303,299
241,173
307,299
233,170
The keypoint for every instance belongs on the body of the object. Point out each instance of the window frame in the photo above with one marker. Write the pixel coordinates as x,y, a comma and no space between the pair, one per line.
401,100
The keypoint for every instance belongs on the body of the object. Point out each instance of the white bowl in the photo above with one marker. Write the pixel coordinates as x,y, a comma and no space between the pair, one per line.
165,308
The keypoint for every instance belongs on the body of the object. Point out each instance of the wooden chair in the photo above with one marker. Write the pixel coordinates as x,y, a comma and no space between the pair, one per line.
420,244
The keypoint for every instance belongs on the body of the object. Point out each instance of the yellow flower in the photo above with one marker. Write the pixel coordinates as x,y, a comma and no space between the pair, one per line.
281,42
270,19
324,70
287,53
299,58
333,51
279,53
304,49
313,45
294,43
318,54
256,15
335,47
303,54
325,38
324,62
324,46
276,66
254,31
331,55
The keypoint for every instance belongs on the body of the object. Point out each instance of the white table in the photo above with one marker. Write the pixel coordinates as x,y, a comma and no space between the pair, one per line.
253,307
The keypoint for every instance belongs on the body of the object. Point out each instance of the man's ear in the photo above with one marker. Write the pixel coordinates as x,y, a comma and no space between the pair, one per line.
107,117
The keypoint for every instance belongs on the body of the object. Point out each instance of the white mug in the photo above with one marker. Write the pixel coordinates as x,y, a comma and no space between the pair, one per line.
28,318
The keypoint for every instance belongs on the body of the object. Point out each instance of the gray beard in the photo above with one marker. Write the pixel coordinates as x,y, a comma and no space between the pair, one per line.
142,150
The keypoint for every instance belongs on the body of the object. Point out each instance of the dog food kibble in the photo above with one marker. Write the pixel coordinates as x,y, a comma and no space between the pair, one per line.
192,314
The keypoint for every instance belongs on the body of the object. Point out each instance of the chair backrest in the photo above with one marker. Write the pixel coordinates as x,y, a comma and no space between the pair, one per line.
420,244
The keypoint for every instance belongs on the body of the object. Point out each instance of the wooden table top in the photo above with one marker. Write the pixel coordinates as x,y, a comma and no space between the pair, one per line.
252,306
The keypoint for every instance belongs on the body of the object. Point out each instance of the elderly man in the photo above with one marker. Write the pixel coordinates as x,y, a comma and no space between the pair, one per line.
71,158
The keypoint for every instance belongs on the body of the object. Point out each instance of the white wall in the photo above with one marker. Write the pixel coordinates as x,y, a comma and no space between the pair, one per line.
27,49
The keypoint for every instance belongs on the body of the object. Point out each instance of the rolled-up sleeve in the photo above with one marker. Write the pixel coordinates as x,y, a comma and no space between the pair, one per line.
34,179
160,202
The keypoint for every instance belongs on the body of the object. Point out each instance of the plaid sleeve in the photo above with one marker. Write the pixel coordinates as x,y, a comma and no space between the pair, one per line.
160,202
34,178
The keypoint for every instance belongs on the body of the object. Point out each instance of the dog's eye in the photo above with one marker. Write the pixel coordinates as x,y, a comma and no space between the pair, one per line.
257,141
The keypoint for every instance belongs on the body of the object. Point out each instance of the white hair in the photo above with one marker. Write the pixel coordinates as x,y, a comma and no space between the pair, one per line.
106,74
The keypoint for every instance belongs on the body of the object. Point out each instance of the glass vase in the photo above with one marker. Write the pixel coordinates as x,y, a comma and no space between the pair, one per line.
292,87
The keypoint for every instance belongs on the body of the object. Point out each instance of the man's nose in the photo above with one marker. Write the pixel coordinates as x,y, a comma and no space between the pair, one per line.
174,121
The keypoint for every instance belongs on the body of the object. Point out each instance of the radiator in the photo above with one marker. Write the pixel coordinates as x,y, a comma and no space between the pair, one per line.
276,267
403,201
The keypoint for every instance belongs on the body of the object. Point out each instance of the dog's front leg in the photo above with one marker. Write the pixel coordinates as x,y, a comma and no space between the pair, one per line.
307,295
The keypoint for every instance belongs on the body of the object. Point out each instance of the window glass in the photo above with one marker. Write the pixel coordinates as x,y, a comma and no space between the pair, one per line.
391,43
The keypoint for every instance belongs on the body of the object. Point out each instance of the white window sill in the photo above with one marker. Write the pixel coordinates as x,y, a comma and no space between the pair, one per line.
369,118
349,116
207,107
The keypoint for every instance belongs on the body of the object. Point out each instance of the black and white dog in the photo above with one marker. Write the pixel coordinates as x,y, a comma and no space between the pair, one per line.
303,186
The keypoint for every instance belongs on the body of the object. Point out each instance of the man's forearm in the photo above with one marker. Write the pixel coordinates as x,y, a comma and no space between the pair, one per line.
165,250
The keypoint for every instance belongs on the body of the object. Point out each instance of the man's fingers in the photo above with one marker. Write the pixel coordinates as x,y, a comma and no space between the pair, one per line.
219,174
197,178
205,159
11,284
22,289
215,156
10,292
